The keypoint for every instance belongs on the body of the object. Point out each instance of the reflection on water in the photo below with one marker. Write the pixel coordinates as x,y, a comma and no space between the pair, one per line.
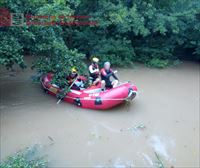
164,118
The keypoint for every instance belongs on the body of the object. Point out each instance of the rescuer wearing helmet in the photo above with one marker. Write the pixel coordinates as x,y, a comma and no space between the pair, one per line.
94,71
74,80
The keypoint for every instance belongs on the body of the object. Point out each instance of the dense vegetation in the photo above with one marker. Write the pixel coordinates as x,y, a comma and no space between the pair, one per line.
154,32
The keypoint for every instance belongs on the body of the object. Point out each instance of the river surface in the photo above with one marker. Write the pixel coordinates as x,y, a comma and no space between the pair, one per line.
163,119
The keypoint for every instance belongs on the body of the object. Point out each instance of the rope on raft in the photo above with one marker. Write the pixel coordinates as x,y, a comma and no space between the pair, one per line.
88,99
95,99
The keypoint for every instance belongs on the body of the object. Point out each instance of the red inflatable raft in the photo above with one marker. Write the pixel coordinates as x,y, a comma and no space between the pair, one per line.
93,97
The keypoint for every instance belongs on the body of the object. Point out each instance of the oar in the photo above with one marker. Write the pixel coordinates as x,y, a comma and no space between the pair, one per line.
68,88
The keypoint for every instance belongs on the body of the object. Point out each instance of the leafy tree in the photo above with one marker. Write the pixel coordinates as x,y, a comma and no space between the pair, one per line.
154,32
10,51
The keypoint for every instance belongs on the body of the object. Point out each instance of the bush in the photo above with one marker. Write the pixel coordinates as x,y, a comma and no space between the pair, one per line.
27,158
10,51
158,63
118,52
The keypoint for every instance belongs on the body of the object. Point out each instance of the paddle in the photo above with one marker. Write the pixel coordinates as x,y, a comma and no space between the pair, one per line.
68,89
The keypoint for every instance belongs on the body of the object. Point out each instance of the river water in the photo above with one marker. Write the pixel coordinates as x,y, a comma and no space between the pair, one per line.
164,118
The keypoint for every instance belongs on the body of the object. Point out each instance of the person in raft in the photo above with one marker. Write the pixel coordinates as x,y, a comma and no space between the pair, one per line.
75,81
106,73
94,71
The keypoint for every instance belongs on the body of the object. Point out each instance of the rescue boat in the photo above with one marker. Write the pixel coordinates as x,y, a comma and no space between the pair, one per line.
92,97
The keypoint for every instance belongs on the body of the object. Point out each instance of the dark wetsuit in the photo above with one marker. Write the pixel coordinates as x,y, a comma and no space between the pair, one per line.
93,75
105,75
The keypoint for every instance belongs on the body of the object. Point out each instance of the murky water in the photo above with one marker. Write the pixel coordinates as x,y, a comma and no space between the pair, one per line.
164,118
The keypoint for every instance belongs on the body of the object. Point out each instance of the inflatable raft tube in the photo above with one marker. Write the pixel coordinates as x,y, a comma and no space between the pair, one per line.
93,97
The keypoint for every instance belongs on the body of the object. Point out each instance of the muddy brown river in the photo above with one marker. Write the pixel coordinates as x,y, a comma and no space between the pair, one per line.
164,118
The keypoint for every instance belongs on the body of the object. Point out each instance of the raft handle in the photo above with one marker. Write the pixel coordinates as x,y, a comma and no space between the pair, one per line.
98,101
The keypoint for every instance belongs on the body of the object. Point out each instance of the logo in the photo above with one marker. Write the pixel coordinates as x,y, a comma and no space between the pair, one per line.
5,17
19,19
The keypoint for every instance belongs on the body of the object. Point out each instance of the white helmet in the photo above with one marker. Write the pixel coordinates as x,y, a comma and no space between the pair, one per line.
107,64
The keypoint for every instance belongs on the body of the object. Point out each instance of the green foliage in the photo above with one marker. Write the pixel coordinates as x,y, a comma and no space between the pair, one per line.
54,55
2,3
45,42
60,64
118,52
24,6
154,32
27,158
158,30
158,63
10,51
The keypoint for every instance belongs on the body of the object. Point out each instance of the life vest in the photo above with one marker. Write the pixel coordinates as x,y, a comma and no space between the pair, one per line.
96,74
71,79
105,74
